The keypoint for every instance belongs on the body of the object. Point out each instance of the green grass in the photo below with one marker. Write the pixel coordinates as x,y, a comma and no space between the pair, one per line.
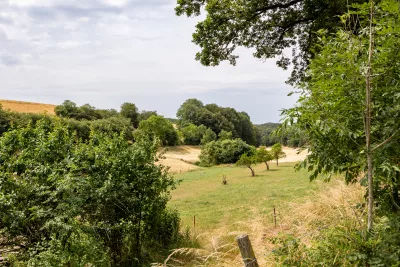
215,205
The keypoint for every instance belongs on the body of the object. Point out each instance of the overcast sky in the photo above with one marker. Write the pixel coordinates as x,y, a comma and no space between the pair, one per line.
106,52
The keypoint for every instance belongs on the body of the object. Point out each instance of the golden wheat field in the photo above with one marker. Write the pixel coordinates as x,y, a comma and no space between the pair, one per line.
27,107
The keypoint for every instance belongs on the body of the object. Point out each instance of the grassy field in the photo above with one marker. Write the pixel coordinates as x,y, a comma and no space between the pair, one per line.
215,205
28,107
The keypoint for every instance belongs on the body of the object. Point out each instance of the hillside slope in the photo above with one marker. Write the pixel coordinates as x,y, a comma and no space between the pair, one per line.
27,107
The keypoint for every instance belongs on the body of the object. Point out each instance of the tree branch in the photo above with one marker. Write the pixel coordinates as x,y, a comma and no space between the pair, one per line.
386,141
276,6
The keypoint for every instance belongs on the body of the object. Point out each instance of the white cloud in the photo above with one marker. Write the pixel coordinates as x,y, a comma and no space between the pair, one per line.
110,51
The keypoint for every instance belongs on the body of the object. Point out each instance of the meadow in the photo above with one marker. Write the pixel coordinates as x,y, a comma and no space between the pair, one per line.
202,194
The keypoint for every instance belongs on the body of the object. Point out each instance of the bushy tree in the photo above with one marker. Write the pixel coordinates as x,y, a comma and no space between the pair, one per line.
160,128
224,151
225,135
208,136
277,152
130,111
72,203
218,119
193,134
247,161
264,155
144,115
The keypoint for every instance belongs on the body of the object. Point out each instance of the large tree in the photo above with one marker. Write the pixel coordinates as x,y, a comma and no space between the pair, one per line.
267,26
345,123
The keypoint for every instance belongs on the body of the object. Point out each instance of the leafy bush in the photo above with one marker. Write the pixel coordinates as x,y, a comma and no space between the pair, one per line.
160,128
344,246
224,151
73,203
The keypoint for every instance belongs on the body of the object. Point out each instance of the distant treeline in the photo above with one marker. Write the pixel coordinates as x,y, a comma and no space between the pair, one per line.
289,136
196,124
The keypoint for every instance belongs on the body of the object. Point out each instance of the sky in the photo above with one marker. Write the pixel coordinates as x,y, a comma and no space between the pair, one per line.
107,52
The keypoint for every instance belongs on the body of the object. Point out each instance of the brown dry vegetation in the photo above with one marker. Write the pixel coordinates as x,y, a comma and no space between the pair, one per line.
27,107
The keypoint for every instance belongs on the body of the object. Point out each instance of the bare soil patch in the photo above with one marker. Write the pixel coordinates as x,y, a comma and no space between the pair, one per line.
181,158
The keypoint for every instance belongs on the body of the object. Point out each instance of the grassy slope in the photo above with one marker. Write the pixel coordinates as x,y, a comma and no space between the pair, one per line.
201,193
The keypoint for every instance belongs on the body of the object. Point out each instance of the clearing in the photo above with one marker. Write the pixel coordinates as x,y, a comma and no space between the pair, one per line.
180,159
27,107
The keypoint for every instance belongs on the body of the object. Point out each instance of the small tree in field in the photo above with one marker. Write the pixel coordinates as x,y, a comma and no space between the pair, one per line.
277,152
247,161
263,155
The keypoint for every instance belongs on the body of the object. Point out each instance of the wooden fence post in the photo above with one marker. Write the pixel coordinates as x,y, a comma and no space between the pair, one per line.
246,250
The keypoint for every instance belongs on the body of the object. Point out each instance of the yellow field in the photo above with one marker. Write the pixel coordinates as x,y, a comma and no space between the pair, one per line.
27,107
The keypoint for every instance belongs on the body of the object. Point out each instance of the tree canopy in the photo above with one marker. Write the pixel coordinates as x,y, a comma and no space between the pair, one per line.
158,127
218,119
268,27
334,119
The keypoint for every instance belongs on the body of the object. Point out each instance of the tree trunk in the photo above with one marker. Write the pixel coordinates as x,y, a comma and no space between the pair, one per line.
252,171
266,164
277,162
368,124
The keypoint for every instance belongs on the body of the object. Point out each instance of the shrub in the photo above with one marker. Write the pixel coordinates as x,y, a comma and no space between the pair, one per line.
224,151
73,203
160,128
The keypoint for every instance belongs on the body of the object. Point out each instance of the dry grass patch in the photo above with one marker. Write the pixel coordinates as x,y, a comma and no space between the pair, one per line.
27,107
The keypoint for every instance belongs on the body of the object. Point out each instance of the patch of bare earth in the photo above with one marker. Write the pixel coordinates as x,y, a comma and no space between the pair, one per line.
181,158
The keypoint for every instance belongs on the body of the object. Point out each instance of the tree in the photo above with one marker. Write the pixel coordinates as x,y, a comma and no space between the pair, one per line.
208,136
218,119
67,109
72,203
277,152
224,135
337,121
269,27
144,115
263,155
192,134
224,151
161,128
130,111
247,161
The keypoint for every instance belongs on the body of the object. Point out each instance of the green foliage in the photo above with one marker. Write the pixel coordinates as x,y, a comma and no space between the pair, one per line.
130,111
247,161
208,136
144,115
73,203
193,134
224,151
269,27
277,152
218,119
160,128
272,133
333,120
69,109
344,246
224,135
264,155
